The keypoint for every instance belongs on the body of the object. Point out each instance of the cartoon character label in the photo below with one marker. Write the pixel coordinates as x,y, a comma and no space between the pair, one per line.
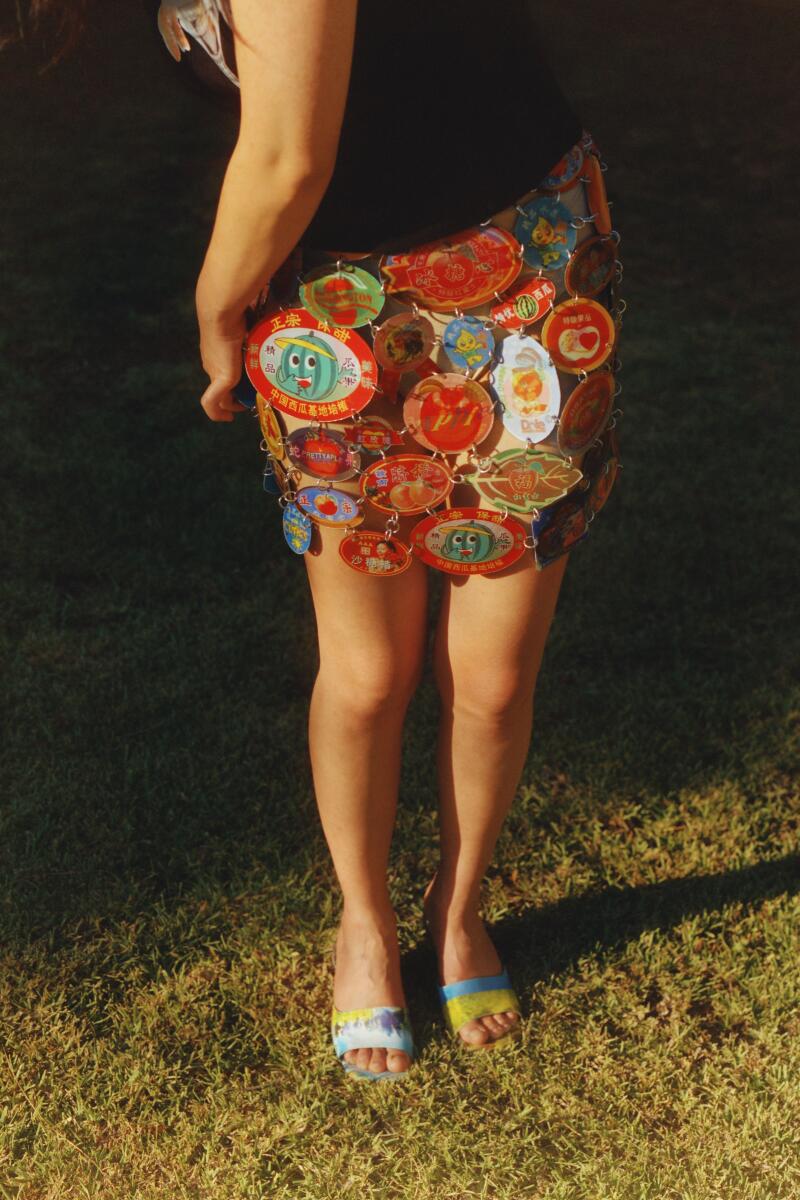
525,480
271,427
304,367
592,267
448,412
323,453
329,506
375,554
527,303
579,334
296,529
527,384
468,541
373,434
468,343
564,173
544,227
346,298
406,483
586,412
462,271
403,342
558,529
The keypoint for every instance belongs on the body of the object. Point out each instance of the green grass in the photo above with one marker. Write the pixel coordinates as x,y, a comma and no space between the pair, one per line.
168,902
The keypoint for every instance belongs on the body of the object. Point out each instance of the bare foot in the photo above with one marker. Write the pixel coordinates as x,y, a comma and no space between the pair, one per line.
367,974
465,950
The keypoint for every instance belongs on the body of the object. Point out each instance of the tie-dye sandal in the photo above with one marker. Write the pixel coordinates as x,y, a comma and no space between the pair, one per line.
481,996
384,1025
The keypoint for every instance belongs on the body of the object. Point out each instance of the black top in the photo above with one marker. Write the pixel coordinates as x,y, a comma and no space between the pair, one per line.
451,115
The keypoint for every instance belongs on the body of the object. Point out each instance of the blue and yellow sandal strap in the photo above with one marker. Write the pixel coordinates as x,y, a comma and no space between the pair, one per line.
383,1025
481,996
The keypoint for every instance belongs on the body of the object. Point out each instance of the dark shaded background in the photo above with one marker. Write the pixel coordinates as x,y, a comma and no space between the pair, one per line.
158,638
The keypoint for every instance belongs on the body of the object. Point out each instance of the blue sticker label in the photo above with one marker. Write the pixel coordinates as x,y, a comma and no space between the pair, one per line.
244,392
296,529
468,343
544,228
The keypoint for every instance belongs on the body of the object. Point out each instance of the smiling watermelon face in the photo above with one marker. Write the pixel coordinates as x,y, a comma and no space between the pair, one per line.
307,368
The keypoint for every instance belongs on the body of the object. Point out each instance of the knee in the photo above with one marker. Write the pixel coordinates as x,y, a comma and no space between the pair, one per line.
367,686
497,694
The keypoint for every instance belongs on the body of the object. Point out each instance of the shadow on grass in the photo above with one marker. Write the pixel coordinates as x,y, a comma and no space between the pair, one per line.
545,943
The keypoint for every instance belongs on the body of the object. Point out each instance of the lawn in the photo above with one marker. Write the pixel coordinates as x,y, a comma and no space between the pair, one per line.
168,904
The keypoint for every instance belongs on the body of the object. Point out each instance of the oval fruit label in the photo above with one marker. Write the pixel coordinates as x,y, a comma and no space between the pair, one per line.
586,412
296,529
602,484
544,227
525,480
323,453
468,343
591,268
346,298
462,271
596,195
271,427
528,386
329,506
406,483
303,367
579,335
448,413
526,303
375,554
565,173
468,541
403,342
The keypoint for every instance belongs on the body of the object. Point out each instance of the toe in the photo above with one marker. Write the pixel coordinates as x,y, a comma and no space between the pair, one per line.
377,1062
493,1025
397,1060
362,1058
474,1032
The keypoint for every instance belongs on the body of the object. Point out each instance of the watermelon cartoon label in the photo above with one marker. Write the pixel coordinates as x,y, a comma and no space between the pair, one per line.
304,367
468,541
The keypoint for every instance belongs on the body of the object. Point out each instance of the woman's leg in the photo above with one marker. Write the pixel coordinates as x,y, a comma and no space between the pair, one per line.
371,644
489,645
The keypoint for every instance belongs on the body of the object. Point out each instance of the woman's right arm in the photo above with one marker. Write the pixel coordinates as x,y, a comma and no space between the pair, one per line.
293,62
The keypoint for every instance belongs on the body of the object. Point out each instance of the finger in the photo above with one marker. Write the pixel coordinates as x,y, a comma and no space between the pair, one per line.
230,403
211,401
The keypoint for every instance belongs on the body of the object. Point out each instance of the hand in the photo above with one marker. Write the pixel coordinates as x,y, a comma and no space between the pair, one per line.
221,342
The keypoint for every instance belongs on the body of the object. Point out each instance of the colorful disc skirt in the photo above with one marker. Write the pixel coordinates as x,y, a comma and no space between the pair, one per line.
456,402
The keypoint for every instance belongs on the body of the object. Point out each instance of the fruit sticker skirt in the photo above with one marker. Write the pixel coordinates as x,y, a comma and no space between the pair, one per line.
455,402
